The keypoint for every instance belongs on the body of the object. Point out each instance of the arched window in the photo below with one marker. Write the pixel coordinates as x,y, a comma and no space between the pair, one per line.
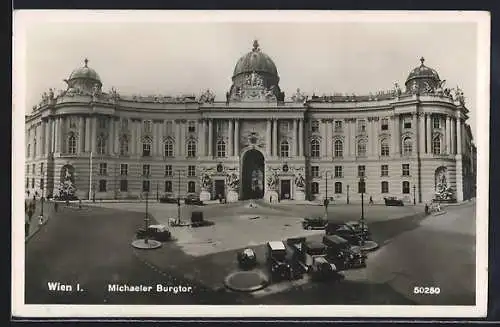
338,187
384,187
314,187
436,145
34,147
71,144
123,146
146,148
315,148
221,149
407,146
169,148
191,148
101,145
406,187
339,149
361,148
384,148
284,149
191,187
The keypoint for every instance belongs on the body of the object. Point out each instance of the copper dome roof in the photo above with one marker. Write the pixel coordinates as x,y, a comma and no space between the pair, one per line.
422,71
255,61
85,72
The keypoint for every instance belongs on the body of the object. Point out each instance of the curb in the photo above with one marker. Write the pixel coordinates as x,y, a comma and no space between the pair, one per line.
264,282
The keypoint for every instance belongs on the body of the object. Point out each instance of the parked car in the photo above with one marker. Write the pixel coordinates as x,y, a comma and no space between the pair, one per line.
360,228
193,199
155,232
393,201
314,223
168,199
345,231
247,259
311,257
278,266
342,254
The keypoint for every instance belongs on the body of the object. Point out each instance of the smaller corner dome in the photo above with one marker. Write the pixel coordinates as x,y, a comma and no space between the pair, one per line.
423,71
85,72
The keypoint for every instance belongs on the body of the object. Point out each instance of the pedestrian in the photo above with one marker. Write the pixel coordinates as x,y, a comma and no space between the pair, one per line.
426,209
67,202
30,214
371,200
79,203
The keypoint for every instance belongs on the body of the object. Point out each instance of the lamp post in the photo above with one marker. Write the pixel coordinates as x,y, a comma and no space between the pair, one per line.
326,201
347,194
362,191
179,198
414,192
42,186
157,186
146,219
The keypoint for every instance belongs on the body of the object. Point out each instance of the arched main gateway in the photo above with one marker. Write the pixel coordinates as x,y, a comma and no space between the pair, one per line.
252,175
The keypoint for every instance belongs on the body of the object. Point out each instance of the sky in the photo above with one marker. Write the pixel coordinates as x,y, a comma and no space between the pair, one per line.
318,56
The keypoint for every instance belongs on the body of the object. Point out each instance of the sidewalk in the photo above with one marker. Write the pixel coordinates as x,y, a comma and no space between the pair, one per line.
35,226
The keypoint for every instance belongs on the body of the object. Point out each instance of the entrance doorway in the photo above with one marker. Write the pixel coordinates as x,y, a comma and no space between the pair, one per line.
252,175
220,188
285,189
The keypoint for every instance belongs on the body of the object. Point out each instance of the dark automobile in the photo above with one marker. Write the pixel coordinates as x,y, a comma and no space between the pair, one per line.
360,227
168,199
314,223
345,231
247,259
393,201
155,232
193,199
276,255
342,254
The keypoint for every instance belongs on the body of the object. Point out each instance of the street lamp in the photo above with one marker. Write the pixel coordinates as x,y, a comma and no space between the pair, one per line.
414,198
42,186
179,198
157,186
347,194
362,191
146,219
326,201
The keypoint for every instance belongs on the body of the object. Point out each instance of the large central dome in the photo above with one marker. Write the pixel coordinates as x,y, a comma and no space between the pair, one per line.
255,61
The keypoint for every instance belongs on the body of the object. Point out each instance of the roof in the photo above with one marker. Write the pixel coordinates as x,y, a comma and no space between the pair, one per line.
277,245
255,61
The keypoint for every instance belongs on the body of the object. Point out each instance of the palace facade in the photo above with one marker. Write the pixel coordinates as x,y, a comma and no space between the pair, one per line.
411,142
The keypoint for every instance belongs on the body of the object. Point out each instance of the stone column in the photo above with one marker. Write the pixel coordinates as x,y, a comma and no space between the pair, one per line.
210,137
201,137
230,138
347,140
301,137
133,137
275,138
183,138
111,138
371,140
329,135
458,128
154,144
59,135
447,134
458,158
295,142
269,143
453,136
138,141
396,139
236,137
56,134
421,133
93,135
81,135
48,137
116,137
428,132
88,126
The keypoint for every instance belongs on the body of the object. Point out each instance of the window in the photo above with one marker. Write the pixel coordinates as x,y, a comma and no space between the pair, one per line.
361,187
41,183
123,146
284,126
148,126
407,146
191,171
192,126
28,150
361,148
315,149
314,187
221,149
34,147
146,170
436,145
191,147
168,186
384,125
436,122
146,148
101,145
315,126
27,182
338,187
170,127
123,169
361,171
169,148
406,169
102,185
168,170
41,168
361,125
123,185
191,187
32,183
339,149
384,148
103,169
33,169
102,123
315,171
145,186
407,123
338,172
384,170
384,187
72,144
406,187
338,126
284,149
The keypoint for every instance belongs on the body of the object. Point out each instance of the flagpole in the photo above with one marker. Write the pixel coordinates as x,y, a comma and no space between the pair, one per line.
90,177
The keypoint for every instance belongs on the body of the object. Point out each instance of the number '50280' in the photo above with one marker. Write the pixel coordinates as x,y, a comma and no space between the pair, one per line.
426,290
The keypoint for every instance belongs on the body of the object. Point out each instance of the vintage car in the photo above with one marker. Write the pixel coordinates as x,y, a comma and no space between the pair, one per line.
193,199
154,232
247,259
310,256
360,227
393,201
314,223
168,199
342,254
276,258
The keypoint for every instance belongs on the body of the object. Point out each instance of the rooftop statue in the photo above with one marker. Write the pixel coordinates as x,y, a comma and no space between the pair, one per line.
298,96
